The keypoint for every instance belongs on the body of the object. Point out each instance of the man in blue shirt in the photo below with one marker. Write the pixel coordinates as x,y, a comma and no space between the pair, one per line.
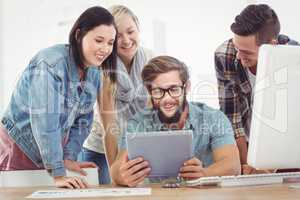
214,148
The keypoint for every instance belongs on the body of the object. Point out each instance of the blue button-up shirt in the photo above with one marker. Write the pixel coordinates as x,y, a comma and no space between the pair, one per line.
211,129
51,111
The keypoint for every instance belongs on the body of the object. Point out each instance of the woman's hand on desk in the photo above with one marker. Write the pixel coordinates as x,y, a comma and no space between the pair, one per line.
74,182
192,169
70,182
133,171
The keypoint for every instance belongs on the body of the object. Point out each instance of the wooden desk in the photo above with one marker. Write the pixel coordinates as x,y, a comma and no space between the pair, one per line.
274,192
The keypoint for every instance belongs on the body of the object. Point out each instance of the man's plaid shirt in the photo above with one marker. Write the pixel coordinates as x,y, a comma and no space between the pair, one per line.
235,91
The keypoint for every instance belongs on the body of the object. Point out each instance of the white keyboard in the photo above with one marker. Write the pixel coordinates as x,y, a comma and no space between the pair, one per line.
242,180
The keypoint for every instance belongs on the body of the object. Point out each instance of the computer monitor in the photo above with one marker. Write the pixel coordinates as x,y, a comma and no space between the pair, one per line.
274,140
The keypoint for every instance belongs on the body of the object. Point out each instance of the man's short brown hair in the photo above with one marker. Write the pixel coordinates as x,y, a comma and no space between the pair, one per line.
163,64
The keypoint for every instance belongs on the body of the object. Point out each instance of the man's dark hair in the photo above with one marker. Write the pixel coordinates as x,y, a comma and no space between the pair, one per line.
259,20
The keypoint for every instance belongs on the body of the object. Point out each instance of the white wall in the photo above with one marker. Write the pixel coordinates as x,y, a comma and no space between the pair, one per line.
189,30
289,15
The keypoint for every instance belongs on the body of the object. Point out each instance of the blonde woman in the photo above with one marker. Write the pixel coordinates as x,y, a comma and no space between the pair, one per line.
130,95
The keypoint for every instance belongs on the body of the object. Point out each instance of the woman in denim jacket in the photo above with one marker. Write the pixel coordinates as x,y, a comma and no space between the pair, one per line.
51,109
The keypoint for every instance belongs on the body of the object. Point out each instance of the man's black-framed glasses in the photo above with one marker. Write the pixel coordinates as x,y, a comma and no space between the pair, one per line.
174,91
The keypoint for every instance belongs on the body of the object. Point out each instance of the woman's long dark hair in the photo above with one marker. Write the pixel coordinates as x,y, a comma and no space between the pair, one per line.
88,20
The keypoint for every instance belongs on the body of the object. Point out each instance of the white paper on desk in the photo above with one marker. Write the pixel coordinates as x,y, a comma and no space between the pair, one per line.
296,186
106,192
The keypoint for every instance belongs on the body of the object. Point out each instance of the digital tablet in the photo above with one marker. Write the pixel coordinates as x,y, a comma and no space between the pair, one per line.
166,151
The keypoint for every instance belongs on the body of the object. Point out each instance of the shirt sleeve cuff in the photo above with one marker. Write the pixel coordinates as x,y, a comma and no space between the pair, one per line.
239,133
70,156
57,172
220,142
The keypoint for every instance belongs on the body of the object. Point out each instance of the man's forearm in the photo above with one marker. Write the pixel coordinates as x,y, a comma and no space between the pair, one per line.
225,167
243,149
227,162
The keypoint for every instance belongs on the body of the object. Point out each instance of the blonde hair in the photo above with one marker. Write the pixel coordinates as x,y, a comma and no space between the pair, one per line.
118,11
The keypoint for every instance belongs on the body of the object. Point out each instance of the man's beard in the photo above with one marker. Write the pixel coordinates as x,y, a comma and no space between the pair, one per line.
175,118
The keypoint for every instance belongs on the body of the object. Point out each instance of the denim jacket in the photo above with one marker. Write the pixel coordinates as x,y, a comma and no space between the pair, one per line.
51,111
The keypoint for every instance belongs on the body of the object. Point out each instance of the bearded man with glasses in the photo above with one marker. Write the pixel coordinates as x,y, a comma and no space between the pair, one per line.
215,152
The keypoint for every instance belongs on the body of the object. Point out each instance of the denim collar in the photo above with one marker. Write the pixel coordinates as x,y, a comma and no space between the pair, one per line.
73,75
72,67
73,71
